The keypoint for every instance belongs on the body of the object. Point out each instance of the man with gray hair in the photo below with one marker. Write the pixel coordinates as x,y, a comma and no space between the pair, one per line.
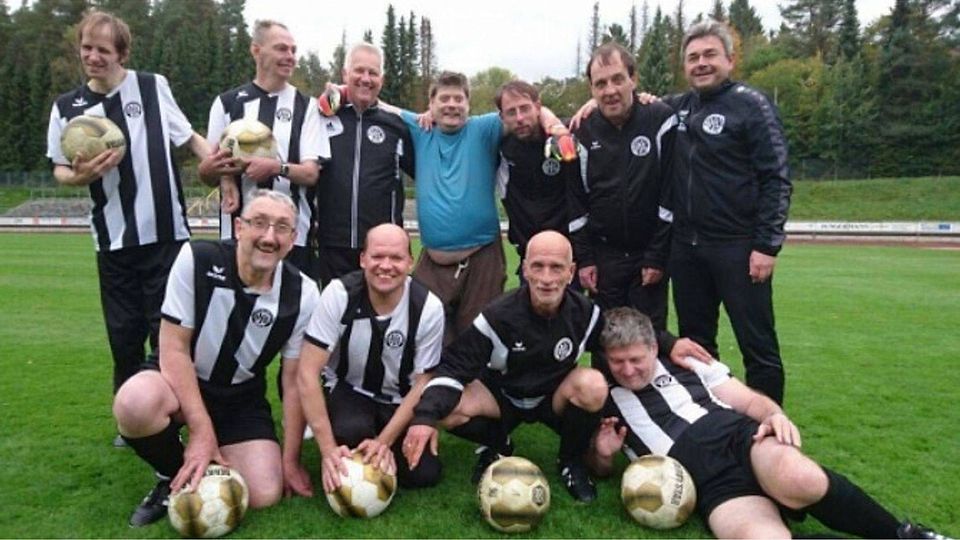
361,187
741,450
730,199
295,122
229,309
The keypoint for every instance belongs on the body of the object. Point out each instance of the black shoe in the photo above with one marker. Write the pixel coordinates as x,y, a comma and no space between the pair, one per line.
485,457
153,507
118,442
577,480
916,530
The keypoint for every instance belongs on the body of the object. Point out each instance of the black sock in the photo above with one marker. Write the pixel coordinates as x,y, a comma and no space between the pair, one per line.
846,508
577,426
488,432
163,451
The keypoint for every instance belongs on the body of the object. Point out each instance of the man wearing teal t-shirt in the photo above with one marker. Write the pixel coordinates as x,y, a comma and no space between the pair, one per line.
462,261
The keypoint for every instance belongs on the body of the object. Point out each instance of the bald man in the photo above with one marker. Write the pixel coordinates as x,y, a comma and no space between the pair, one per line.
374,335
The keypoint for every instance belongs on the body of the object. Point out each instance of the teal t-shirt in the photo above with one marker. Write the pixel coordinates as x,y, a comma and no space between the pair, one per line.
456,175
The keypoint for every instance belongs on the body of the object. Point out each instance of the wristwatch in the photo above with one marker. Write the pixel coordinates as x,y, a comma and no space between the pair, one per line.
284,169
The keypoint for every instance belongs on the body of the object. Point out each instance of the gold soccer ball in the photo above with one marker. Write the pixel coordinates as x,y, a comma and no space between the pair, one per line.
365,491
514,495
89,136
658,492
247,138
215,508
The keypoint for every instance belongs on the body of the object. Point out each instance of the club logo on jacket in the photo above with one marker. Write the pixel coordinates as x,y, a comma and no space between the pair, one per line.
550,167
261,318
713,124
562,350
640,146
394,339
376,134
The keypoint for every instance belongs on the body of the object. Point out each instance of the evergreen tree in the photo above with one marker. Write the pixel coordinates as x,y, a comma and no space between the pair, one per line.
368,36
718,13
339,59
744,18
409,55
310,76
615,33
390,44
812,26
593,38
633,28
849,39
654,71
644,19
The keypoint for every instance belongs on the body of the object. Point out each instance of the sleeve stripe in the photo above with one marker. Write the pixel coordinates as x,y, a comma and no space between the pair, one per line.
498,356
578,223
448,382
667,125
316,342
586,335
665,215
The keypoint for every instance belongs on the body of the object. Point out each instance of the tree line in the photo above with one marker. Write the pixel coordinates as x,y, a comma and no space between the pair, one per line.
879,101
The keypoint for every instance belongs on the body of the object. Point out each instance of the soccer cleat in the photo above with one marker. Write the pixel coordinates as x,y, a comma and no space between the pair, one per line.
577,480
908,529
485,457
153,507
118,442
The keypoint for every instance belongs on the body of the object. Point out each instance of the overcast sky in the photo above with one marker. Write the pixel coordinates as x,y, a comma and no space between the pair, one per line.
531,38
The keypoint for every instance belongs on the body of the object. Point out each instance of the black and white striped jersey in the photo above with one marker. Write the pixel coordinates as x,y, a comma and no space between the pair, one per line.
528,355
657,414
378,355
139,202
236,332
295,121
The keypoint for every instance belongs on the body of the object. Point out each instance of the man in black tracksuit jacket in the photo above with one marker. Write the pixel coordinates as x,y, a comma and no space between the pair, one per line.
361,187
730,199
532,187
620,231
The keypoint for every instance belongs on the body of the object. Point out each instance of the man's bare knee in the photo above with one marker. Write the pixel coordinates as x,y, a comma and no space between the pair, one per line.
265,494
141,405
589,389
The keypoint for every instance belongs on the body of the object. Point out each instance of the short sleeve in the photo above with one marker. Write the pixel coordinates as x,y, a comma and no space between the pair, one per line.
54,130
178,300
712,374
216,122
324,329
309,300
179,126
430,335
314,143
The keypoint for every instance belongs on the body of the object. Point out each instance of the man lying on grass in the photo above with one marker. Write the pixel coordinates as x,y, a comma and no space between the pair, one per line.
740,448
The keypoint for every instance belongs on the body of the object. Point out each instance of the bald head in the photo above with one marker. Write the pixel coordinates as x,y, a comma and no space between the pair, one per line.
388,233
550,242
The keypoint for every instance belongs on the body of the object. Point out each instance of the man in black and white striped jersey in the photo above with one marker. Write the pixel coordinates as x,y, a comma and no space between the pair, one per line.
741,450
230,308
295,121
138,218
375,334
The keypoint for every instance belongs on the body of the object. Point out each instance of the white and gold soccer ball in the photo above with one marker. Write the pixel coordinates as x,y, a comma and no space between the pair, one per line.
514,494
89,136
215,508
658,492
365,491
247,138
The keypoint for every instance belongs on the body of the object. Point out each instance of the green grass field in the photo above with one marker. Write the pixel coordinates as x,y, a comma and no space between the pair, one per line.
869,338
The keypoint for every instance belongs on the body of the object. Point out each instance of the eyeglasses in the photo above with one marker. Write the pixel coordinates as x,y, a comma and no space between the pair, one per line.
262,225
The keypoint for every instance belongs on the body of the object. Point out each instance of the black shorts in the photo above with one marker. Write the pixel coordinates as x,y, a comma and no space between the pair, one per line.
511,414
716,452
239,412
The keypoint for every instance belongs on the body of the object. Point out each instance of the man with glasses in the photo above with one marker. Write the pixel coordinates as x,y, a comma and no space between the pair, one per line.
229,309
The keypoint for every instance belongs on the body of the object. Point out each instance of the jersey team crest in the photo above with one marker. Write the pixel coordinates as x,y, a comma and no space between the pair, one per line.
394,339
550,167
713,124
562,349
261,318
284,114
133,110
640,146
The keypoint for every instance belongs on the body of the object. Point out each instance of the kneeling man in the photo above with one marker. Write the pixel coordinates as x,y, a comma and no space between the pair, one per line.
375,333
229,309
740,448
